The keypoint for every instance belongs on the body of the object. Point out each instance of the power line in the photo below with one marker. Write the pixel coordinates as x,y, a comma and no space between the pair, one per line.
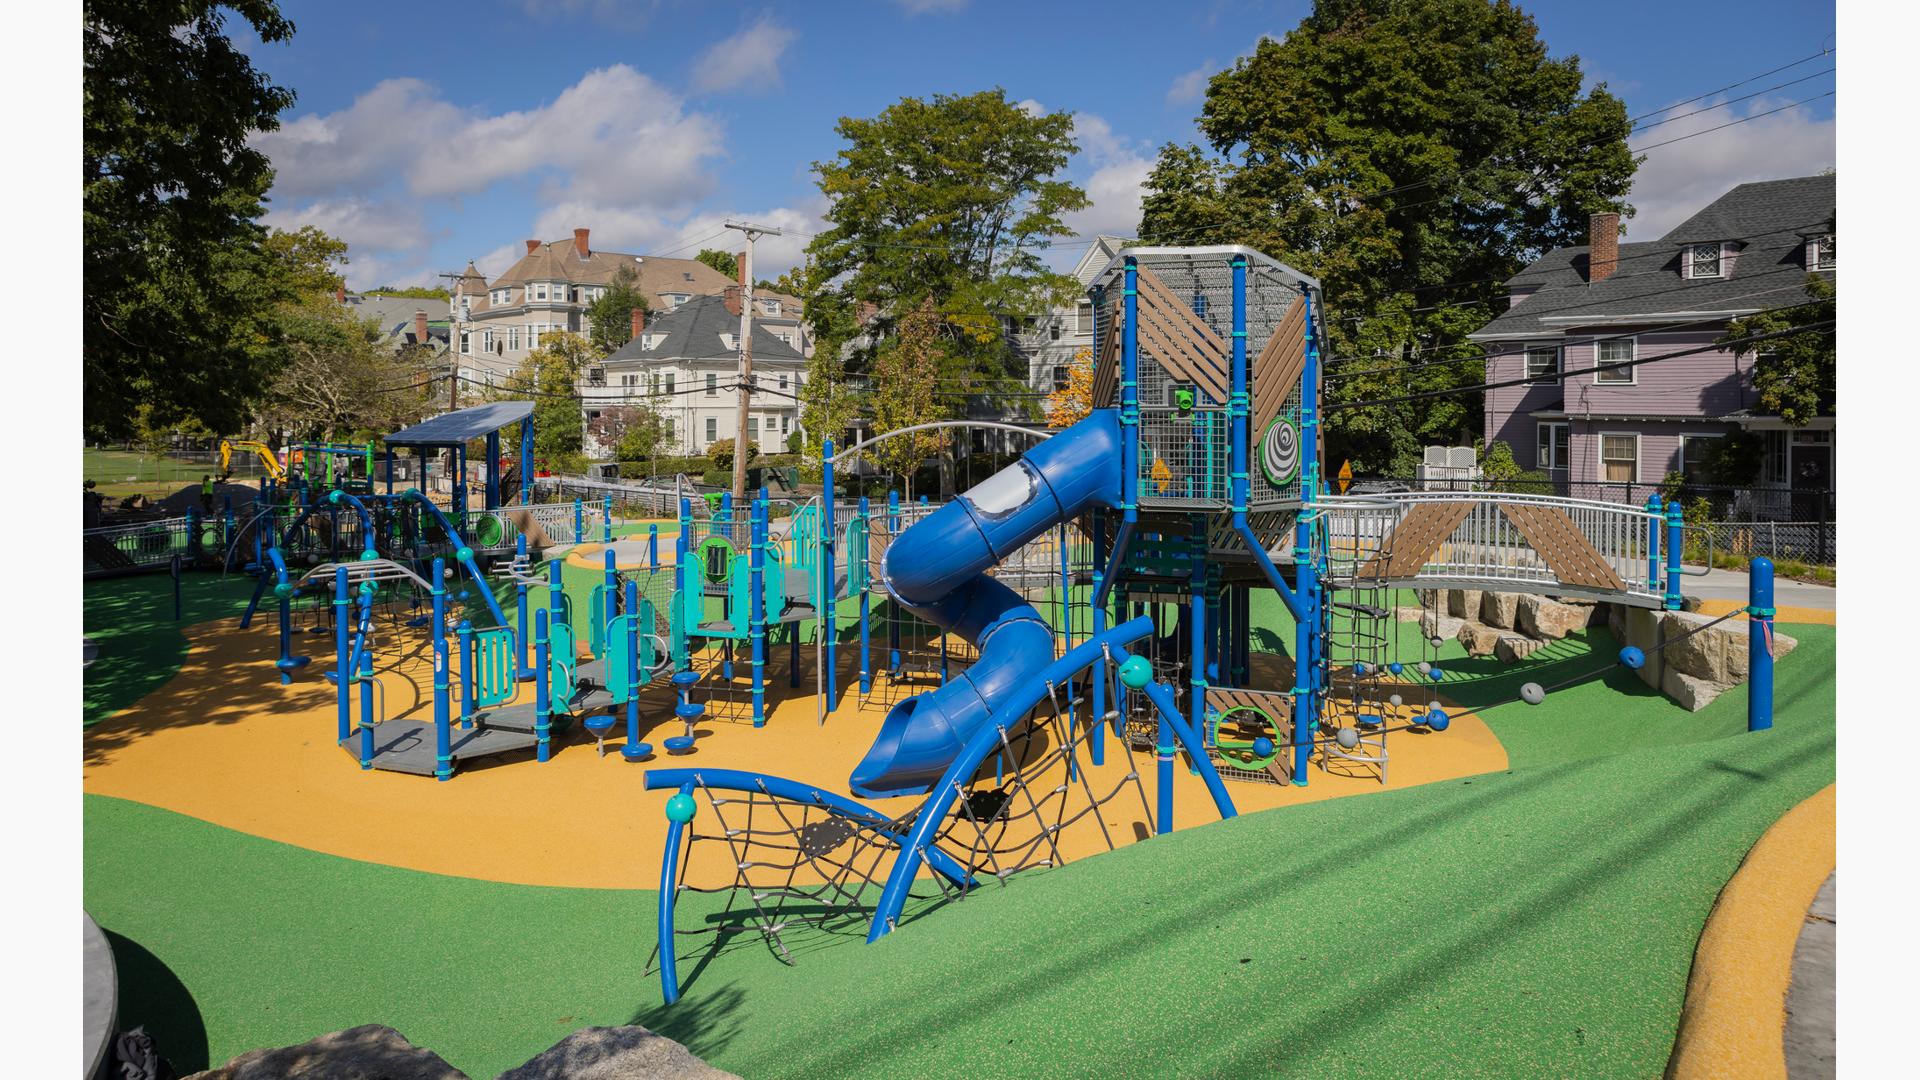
1731,123
1730,101
1732,86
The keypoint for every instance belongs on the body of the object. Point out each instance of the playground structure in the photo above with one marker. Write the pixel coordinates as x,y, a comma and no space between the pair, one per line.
1039,644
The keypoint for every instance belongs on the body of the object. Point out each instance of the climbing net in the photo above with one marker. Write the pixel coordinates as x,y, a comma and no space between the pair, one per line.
819,862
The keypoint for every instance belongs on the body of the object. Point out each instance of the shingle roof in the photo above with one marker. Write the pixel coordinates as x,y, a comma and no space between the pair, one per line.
1769,221
693,333
560,261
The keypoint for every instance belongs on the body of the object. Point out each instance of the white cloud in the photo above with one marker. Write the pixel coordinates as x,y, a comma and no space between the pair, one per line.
749,59
386,241
1191,87
923,7
367,142
1119,167
625,14
1677,180
1031,107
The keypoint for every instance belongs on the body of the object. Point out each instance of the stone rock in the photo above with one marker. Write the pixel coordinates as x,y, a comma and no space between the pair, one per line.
1498,608
1690,693
1463,603
1431,598
1513,647
1548,620
1737,656
1433,624
616,1053
1407,613
1478,639
1701,655
368,1052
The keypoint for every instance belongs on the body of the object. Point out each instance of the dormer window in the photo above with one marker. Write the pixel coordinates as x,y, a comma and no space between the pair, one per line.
1823,252
1703,260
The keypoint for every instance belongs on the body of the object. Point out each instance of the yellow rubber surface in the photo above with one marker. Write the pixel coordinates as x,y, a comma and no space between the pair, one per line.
1816,616
224,742
1735,1013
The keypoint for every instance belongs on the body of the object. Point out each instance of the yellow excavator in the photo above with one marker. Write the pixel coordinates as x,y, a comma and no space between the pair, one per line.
267,460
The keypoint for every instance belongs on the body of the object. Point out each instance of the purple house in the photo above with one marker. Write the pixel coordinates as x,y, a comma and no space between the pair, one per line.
1616,434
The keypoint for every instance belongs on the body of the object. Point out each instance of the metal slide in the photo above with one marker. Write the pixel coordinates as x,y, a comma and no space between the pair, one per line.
937,570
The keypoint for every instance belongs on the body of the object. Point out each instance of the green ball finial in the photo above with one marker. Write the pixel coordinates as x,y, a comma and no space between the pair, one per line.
369,555
681,808
283,590
464,554
333,496
1136,672
366,588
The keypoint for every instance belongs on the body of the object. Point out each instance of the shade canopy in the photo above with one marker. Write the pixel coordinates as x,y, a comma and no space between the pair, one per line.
462,425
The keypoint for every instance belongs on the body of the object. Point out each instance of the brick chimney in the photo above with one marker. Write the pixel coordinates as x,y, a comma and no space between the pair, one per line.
1603,247
639,321
340,294
419,326
580,247
732,296
740,267
533,246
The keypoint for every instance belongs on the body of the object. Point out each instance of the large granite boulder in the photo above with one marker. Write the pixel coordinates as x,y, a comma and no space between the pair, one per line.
1702,658
1478,639
1463,603
616,1053
368,1052
1435,625
1549,620
1499,609
1512,647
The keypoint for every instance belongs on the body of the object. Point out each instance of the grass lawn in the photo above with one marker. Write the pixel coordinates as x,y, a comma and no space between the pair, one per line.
1539,921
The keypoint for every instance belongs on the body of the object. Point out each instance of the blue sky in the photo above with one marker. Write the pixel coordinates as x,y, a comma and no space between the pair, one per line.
430,135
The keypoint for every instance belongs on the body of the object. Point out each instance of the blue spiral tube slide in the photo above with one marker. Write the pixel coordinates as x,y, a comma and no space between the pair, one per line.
938,571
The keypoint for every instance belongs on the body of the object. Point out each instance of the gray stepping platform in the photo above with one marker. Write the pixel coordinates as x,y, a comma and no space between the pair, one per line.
517,717
799,592
407,745
591,700
591,672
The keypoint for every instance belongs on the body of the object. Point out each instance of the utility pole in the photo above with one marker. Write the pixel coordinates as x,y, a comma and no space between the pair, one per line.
453,343
752,233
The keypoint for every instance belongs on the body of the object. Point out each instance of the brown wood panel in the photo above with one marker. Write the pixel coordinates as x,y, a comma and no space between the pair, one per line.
1276,371
1195,353
1412,542
1106,366
1562,546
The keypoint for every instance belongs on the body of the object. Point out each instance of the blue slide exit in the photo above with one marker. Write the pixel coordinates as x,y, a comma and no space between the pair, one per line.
938,570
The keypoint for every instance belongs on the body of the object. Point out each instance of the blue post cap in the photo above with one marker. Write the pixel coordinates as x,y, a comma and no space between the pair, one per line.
684,679
1263,747
690,711
1438,720
465,626
1136,672
1632,657
598,723
681,808
636,751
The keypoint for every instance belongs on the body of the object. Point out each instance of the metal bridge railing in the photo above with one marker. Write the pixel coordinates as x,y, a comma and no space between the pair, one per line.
138,546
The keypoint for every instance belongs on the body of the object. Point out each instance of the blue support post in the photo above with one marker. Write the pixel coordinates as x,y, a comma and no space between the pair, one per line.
1653,540
893,624
1760,644
366,698
442,705
1197,620
526,460
493,470
1129,396
866,641
634,749
612,582
520,612
653,547
1097,738
579,521
1307,590
343,672
467,706
669,891
542,699
1676,543
757,607
606,520
829,624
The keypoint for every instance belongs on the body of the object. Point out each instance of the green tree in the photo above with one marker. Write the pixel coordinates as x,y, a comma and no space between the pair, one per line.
611,316
720,452
307,261
1412,155
551,375
177,296
335,379
723,261
904,372
416,292
948,201
1794,374
646,435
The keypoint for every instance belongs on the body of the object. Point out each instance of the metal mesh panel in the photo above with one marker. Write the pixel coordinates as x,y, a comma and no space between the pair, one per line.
1184,455
1204,277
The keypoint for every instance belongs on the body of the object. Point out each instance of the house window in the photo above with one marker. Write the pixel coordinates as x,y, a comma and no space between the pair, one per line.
1823,253
783,380
1059,379
540,291
753,430
464,341
1053,329
674,300
1083,317
593,414
533,335
1550,447
713,385
669,382
513,339
1620,458
1703,261
596,376
1693,456
770,307
1613,351
713,428
486,341
784,421
1542,361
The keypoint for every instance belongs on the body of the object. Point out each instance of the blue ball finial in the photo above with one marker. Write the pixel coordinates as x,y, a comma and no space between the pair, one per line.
1632,657
681,808
1395,667
1263,747
1136,672
1438,720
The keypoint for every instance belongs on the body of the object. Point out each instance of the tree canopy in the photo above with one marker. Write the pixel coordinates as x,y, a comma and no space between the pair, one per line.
179,290
1793,374
337,381
947,202
610,318
723,261
550,375
1412,155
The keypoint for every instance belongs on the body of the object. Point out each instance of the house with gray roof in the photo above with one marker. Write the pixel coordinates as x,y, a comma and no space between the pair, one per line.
1617,432
403,321
685,365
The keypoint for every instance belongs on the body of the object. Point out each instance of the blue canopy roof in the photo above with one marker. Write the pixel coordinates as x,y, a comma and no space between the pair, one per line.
462,425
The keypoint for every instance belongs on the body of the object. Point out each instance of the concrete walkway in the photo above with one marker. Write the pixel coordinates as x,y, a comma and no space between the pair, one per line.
1809,1036
1732,585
